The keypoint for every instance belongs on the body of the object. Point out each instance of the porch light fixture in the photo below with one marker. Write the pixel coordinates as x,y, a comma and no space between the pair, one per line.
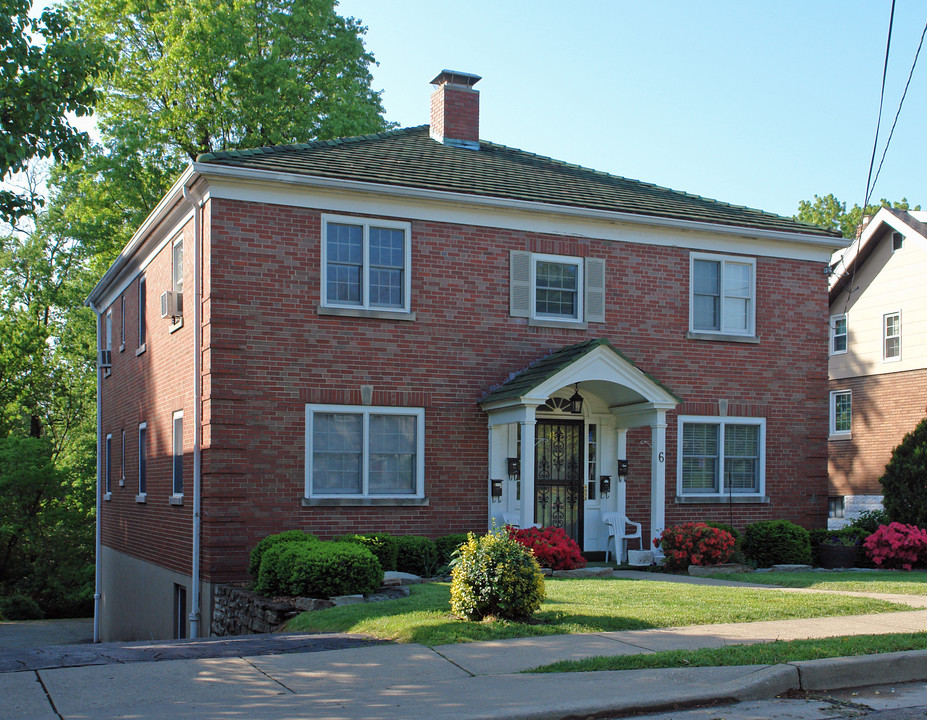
576,401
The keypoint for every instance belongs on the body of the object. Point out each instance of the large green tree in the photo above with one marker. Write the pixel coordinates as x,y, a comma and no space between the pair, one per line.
47,70
829,212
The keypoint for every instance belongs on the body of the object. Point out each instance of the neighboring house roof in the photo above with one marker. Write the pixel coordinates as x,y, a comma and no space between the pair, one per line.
410,158
910,223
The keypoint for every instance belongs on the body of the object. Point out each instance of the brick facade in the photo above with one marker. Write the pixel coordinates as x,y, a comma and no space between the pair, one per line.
885,408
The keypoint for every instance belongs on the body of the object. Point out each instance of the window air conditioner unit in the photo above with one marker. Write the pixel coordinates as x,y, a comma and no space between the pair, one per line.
171,304
106,359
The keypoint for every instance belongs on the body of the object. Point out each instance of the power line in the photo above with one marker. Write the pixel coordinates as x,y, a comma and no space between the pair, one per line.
875,142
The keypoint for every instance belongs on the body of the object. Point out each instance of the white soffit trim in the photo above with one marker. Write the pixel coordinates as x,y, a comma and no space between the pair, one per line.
439,206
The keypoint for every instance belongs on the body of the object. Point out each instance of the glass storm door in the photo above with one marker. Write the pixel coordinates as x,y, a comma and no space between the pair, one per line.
558,476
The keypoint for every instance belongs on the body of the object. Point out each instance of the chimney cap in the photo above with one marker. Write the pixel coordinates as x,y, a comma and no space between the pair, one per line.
456,78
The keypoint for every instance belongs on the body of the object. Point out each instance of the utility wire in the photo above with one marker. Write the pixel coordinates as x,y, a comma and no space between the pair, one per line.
875,142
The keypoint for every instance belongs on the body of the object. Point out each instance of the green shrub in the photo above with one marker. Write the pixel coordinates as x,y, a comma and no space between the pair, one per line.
870,521
270,541
319,570
724,526
496,576
777,542
904,488
447,545
384,546
417,555
20,607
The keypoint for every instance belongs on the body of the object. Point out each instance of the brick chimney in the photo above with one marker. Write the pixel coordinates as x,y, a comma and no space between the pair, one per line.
455,110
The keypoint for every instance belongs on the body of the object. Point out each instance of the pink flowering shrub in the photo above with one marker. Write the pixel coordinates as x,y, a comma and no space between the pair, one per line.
551,546
897,546
694,543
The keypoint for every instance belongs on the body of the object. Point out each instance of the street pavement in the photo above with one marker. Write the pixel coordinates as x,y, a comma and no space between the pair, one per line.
251,678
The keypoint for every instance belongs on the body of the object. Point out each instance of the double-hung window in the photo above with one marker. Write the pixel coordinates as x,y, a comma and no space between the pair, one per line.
142,462
722,295
841,412
891,336
556,289
366,264
721,456
838,334
364,452
142,314
177,453
108,482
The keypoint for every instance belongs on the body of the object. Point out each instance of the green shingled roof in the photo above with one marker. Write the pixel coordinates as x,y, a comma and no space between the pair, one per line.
410,158
522,383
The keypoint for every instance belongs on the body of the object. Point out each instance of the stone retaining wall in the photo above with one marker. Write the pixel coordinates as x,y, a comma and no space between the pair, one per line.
238,611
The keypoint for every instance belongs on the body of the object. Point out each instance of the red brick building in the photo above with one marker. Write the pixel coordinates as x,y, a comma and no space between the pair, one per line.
394,333
878,356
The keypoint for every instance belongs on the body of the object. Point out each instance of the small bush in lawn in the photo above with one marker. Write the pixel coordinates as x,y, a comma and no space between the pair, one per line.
254,565
447,545
496,576
694,543
417,555
319,570
777,542
551,546
897,546
383,545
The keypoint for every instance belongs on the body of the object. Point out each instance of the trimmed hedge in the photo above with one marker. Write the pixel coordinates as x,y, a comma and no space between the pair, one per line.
447,545
384,546
417,555
777,542
254,565
319,570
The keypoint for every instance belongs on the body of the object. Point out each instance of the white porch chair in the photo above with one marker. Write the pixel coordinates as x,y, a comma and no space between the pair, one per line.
620,529
512,518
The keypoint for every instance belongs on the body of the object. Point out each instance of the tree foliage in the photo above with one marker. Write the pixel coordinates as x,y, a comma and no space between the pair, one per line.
904,483
47,69
827,211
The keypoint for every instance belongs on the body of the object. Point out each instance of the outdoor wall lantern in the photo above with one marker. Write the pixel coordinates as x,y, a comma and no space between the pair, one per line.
622,470
605,485
576,401
496,490
514,469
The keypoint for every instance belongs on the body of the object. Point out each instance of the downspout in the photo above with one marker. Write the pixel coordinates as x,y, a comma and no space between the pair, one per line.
98,560
196,201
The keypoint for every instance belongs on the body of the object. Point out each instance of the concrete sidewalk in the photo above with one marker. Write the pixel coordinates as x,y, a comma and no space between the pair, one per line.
471,680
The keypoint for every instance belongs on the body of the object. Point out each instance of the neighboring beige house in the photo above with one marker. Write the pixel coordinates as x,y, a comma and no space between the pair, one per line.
878,356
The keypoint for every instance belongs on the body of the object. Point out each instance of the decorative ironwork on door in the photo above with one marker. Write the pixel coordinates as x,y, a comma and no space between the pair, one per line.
558,476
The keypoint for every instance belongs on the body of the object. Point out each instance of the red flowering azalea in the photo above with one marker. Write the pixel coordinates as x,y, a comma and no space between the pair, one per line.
897,546
694,544
551,546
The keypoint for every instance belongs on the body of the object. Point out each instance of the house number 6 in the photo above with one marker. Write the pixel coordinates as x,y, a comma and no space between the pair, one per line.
660,457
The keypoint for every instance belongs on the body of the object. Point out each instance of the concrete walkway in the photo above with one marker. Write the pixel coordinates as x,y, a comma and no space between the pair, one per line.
470,680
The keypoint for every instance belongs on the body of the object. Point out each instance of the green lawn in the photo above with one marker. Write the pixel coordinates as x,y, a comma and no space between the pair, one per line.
759,654
895,582
578,606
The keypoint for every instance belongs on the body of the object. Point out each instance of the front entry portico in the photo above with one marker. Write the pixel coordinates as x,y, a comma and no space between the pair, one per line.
523,412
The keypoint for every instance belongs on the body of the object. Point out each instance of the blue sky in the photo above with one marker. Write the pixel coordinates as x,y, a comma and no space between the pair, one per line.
754,103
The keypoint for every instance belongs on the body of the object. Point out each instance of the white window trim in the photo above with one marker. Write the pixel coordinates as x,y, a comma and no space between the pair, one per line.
834,432
367,411
580,287
367,223
174,418
717,420
723,259
142,496
885,316
833,334
108,467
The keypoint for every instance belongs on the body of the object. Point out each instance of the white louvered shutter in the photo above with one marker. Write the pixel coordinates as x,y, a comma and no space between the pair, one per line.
520,283
595,290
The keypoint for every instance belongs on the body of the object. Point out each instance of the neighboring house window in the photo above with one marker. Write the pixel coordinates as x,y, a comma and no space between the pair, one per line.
109,465
122,322
177,452
897,241
838,334
722,295
109,339
142,460
841,412
891,336
142,329
366,264
721,456
177,265
556,288
364,451
122,460
835,506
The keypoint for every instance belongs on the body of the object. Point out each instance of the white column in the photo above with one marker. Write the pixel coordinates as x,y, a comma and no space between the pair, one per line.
527,468
658,477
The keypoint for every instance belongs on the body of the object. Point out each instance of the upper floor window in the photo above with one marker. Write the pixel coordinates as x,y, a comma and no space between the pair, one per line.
142,319
108,459
177,265
177,453
142,461
721,456
108,339
841,412
556,288
891,336
364,451
366,263
122,322
722,295
838,334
